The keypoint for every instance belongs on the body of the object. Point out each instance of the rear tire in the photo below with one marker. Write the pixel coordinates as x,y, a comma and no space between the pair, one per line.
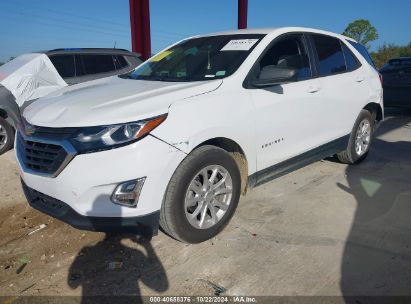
201,196
6,136
360,140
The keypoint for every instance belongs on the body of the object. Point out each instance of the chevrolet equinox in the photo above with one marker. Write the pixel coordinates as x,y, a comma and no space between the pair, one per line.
178,140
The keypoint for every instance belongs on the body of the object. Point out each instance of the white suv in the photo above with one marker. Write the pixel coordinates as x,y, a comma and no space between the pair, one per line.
176,142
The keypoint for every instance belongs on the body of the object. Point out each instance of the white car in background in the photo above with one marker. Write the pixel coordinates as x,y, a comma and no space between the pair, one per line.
177,141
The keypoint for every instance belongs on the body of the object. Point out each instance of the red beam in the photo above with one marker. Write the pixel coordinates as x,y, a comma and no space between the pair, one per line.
242,14
140,27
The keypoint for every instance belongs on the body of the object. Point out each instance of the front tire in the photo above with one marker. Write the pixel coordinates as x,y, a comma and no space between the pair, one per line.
360,140
6,136
201,196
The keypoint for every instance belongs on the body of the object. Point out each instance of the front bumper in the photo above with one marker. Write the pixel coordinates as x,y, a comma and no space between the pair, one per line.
88,181
146,225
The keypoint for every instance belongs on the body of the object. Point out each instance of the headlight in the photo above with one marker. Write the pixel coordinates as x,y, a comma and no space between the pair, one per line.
99,138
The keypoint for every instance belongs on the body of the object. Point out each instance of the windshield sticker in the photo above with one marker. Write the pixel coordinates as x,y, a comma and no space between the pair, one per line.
220,73
161,56
239,45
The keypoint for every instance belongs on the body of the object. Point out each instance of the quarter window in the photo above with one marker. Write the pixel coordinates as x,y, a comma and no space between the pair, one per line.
363,51
330,55
120,62
350,60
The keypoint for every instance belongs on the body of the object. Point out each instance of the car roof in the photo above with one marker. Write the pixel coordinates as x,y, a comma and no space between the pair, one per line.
107,51
266,31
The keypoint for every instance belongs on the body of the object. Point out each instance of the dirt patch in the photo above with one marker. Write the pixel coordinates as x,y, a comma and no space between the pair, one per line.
29,259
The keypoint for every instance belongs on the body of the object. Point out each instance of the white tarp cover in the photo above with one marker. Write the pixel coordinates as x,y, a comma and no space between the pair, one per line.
30,76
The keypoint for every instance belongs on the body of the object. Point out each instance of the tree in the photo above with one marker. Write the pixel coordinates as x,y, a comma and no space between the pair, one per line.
390,51
362,30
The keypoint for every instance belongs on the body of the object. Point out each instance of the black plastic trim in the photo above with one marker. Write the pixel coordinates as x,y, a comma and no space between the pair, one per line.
146,225
297,162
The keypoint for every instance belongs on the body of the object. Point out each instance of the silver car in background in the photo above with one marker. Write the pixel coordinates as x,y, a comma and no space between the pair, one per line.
34,75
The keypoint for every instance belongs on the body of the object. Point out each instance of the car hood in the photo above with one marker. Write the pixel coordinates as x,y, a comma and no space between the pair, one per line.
111,100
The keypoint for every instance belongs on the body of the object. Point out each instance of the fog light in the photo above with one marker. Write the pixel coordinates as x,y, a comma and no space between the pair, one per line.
127,193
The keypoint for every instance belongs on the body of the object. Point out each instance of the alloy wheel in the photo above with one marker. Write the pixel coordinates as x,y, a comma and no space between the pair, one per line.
208,197
363,137
3,137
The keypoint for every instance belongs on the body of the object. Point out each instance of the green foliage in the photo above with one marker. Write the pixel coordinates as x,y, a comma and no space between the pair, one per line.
390,51
362,30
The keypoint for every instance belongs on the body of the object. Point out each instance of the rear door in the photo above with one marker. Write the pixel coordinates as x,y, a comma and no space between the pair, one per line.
344,85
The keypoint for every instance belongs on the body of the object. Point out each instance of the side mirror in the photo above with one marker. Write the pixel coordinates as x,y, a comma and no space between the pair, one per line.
272,75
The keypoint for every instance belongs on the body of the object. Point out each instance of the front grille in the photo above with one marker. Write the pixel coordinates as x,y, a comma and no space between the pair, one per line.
45,203
41,157
53,133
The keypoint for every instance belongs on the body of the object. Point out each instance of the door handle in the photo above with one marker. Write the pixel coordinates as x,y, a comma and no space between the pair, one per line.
359,79
313,89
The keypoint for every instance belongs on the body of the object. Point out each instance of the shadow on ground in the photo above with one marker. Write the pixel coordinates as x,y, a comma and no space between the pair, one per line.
377,255
112,270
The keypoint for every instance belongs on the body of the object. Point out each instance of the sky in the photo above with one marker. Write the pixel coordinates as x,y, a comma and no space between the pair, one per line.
27,25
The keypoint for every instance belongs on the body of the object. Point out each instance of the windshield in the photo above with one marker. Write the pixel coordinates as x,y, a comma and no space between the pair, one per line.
198,59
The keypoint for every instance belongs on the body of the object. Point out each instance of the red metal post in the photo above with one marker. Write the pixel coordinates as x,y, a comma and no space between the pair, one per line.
140,27
242,14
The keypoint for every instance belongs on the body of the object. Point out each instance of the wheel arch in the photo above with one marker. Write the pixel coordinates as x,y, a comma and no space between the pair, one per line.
235,150
3,113
376,110
10,116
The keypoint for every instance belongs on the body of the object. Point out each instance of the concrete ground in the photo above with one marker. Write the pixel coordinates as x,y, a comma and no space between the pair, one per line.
326,229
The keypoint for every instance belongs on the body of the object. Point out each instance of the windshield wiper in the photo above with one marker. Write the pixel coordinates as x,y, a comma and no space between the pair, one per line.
160,78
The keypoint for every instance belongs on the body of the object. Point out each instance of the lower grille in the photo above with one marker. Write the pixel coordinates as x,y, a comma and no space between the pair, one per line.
41,157
45,203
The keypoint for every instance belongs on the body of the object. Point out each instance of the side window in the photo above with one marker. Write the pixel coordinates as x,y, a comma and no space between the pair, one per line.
350,60
289,52
95,64
330,56
64,64
363,51
120,62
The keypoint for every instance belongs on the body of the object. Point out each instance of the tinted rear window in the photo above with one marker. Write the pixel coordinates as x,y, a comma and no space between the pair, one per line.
120,62
95,64
363,51
64,64
330,55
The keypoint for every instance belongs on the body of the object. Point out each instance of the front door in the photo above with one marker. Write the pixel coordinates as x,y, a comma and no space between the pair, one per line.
289,117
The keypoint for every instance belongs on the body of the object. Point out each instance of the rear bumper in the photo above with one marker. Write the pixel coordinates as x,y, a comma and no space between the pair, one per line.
146,225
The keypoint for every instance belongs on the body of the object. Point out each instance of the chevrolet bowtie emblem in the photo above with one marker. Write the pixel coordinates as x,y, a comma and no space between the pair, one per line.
29,130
